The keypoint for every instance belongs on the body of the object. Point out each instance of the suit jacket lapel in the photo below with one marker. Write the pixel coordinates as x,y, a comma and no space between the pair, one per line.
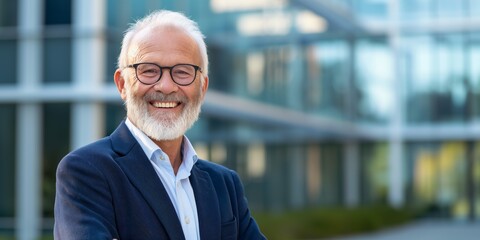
207,204
139,170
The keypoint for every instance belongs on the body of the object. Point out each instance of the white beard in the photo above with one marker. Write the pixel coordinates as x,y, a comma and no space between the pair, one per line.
161,126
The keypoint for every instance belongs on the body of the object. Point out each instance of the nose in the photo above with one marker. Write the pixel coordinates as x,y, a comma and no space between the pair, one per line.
166,85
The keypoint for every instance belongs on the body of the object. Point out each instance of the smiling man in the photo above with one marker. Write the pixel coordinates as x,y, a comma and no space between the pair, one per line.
144,181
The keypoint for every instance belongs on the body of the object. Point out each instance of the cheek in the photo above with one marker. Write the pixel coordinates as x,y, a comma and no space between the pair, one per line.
138,90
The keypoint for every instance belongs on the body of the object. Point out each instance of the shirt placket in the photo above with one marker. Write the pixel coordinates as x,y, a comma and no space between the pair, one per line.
186,212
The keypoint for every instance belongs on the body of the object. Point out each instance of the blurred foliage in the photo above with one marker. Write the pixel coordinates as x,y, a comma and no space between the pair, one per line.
319,223
330,222
11,237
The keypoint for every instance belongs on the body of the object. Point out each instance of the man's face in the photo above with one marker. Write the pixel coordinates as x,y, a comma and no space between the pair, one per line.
164,110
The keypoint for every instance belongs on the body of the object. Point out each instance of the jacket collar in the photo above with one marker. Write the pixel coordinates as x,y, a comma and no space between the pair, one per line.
139,170
208,210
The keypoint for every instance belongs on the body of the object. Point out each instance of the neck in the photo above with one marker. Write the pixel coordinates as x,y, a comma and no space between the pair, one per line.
174,150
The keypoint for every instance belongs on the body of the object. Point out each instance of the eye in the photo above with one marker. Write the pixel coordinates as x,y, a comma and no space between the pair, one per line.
148,70
183,71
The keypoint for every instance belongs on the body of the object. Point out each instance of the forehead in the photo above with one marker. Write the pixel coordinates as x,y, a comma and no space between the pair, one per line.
163,43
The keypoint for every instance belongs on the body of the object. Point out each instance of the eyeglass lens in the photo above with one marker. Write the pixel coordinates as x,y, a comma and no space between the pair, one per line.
182,74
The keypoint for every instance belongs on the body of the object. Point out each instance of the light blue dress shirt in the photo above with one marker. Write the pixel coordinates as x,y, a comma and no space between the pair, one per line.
178,186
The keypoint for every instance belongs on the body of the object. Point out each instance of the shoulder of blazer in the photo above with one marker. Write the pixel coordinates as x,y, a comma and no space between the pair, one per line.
213,167
106,150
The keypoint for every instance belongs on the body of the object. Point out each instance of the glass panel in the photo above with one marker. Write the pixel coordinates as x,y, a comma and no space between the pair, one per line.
451,62
115,113
416,9
377,10
373,87
281,179
7,161
473,7
324,174
261,188
57,60
123,12
449,9
113,50
473,76
58,12
56,144
8,61
327,80
437,83
437,173
374,173
222,66
419,77
8,13
118,15
331,172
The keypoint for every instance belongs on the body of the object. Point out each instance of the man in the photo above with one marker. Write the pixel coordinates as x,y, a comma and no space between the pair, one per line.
144,181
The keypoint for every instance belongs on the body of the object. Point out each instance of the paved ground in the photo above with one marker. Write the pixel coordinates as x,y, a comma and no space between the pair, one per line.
426,230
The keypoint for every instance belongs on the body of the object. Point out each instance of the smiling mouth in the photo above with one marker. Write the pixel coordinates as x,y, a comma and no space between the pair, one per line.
165,104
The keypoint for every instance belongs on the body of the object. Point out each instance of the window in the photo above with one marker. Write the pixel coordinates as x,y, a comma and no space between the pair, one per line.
58,12
7,160
8,13
115,113
374,172
56,140
437,177
8,61
57,60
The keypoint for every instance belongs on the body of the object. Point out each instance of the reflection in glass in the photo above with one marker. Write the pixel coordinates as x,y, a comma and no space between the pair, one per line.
374,173
327,80
56,144
58,12
8,61
439,86
7,160
114,114
438,175
8,13
374,80
57,60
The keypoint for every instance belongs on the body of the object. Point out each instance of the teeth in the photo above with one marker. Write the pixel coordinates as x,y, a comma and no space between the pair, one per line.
164,104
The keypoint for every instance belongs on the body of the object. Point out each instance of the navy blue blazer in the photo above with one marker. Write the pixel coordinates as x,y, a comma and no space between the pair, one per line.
109,190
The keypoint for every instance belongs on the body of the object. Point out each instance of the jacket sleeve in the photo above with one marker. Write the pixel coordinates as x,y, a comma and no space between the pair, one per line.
83,203
248,228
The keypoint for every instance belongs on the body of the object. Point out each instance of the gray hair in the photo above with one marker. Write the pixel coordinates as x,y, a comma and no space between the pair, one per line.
165,18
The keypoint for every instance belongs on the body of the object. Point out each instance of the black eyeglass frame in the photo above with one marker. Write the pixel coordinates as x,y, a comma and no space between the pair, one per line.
135,65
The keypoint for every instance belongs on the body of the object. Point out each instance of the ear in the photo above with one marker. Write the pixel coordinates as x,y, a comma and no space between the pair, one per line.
120,82
204,86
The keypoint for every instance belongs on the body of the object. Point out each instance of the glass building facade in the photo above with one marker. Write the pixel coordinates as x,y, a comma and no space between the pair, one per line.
313,102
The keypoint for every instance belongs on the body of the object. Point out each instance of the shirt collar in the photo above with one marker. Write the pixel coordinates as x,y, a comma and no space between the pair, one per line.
149,147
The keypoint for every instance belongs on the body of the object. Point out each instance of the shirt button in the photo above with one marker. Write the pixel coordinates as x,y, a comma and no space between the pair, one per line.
162,157
187,220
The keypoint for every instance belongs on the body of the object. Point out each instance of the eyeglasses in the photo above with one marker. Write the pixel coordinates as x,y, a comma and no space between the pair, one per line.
150,73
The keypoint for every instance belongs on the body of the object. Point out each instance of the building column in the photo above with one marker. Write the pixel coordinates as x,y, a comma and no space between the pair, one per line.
28,212
396,194
351,172
88,70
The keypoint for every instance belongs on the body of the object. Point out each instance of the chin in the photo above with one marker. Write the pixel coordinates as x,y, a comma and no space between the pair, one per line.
163,130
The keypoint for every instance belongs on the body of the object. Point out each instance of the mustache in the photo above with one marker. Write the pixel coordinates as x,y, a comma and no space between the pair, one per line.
158,96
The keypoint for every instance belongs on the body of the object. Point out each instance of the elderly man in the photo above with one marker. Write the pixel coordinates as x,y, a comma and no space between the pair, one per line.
144,181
